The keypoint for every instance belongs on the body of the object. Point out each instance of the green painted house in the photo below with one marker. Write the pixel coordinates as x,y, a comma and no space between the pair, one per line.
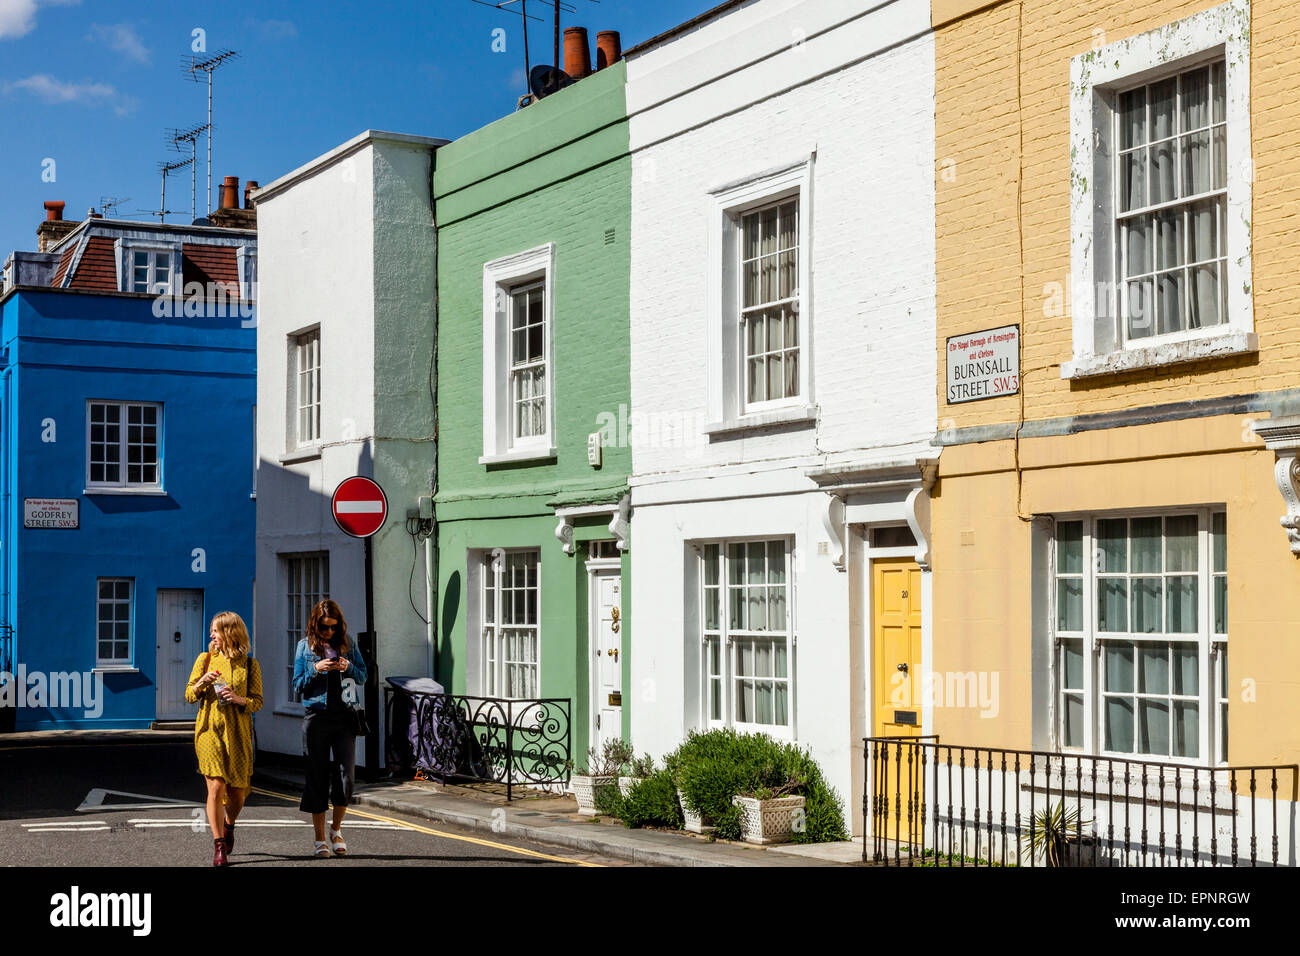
533,218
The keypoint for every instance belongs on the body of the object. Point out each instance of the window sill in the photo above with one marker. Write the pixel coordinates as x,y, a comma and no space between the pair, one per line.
115,669
124,491
527,454
1234,342
795,415
308,453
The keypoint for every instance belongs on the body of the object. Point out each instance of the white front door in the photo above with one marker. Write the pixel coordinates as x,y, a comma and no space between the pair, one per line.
607,663
181,638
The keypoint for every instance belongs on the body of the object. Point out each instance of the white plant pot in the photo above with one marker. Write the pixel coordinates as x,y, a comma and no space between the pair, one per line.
625,785
585,789
768,821
694,821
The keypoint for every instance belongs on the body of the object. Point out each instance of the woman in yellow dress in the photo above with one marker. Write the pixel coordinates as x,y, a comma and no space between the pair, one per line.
227,685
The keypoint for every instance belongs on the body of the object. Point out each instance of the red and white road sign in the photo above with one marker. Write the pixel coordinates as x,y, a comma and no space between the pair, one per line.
359,507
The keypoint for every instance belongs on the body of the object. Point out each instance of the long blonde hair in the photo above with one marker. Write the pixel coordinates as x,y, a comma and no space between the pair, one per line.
232,636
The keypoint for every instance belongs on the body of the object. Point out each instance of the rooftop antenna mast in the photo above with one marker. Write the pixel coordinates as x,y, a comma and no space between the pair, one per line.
165,168
556,5
108,203
179,138
194,66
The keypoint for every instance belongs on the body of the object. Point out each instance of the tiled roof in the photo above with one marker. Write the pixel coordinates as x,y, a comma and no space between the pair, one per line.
97,269
210,264
64,262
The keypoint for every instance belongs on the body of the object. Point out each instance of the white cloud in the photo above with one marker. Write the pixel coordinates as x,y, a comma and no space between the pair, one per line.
18,17
122,38
50,90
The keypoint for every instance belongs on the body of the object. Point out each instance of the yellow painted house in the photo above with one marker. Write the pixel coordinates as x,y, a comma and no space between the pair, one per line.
1117,238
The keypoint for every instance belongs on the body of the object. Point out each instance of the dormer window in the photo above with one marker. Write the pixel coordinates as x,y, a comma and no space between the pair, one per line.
149,267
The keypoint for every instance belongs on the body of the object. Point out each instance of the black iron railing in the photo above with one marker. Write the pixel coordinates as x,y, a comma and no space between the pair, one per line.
458,737
928,803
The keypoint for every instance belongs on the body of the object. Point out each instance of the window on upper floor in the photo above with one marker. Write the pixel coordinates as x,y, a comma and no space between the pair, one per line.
759,320
1160,178
518,357
148,266
123,445
304,389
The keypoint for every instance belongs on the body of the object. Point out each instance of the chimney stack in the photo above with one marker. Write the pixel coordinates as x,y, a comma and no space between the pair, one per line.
248,193
230,193
54,228
577,54
609,48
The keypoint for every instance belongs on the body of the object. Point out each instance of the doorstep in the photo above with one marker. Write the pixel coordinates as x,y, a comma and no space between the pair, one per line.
553,819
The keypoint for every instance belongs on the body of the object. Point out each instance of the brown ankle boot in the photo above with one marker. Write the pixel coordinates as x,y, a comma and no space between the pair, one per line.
219,852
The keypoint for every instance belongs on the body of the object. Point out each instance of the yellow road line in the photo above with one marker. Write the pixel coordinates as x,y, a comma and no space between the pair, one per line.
441,833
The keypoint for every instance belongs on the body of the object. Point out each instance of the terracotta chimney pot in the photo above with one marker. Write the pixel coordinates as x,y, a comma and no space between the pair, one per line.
230,193
577,54
54,211
248,193
609,48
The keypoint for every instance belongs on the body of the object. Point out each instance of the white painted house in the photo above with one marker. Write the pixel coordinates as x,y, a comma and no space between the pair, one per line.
345,350
783,374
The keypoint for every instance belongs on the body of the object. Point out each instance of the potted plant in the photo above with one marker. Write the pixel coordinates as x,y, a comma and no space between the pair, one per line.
768,812
1052,832
637,770
600,775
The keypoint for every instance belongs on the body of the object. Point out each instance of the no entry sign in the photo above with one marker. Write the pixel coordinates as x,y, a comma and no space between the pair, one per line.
359,507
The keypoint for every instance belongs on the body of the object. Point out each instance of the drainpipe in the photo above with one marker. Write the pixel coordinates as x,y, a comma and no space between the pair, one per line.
6,496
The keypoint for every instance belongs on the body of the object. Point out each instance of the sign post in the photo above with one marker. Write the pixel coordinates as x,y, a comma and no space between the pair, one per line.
360,507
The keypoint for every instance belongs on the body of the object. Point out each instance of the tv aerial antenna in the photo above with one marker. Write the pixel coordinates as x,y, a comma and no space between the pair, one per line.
179,138
558,7
208,64
166,168
108,203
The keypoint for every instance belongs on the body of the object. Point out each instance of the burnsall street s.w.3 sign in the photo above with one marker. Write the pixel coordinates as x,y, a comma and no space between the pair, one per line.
984,364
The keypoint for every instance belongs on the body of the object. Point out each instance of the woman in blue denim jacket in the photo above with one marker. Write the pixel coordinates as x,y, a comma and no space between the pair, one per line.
328,672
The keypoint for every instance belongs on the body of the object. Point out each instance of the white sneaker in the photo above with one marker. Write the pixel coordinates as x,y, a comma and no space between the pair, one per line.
336,843
322,849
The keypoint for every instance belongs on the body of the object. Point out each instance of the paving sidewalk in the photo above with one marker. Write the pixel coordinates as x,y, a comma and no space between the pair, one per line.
547,818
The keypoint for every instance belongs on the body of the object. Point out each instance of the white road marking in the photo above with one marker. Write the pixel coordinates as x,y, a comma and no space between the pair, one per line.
69,823
94,802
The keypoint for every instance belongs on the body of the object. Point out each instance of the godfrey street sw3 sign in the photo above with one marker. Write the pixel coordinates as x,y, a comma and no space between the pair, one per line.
984,364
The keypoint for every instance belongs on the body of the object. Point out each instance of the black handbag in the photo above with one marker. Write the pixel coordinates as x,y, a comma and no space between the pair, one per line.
363,725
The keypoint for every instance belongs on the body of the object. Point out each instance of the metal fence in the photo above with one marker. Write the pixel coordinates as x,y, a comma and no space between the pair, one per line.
928,803
458,737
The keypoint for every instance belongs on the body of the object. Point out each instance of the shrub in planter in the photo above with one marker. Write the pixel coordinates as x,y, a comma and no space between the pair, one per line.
600,775
652,803
638,768
712,768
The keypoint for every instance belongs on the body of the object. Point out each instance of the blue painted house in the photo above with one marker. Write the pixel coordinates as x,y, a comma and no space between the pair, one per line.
127,473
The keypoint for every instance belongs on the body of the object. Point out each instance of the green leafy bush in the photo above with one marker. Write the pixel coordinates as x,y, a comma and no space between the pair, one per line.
711,768
652,803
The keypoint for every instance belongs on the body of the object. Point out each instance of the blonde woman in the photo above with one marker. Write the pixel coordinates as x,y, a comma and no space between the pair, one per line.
227,685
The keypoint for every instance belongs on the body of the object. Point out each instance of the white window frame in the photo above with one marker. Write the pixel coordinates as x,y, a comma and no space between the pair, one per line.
492,666
1096,80
124,251
1207,641
501,278
115,662
727,639
728,408
123,483
296,342
294,568
246,264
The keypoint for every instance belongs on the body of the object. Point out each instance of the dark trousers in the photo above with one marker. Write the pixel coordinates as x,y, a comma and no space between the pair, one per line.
330,741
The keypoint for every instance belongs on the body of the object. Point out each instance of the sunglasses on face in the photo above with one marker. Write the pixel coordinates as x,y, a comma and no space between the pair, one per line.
328,627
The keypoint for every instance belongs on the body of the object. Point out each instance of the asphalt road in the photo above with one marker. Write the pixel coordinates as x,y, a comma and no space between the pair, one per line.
105,805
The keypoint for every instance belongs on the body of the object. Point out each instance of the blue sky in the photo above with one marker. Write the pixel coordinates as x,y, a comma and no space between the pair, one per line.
92,85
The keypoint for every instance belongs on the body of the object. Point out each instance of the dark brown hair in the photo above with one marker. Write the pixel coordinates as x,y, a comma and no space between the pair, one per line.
315,640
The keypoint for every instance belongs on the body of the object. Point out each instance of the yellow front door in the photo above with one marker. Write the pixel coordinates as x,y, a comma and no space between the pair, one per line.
896,623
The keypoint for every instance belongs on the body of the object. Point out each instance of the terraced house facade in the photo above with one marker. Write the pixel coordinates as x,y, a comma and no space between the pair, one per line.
1117,192
532,501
